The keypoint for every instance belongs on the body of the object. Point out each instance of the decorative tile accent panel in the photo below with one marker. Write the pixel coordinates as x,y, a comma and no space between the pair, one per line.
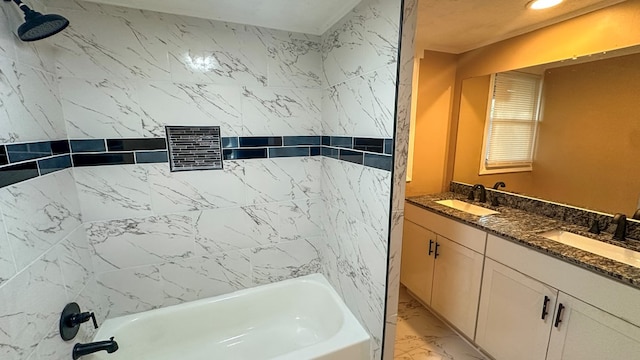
28,151
4,160
16,173
194,148
103,159
54,164
19,162
92,145
261,141
136,144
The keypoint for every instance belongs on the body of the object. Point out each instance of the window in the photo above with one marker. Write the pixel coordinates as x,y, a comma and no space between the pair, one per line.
512,121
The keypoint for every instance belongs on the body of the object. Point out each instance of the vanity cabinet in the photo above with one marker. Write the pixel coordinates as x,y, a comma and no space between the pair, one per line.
516,314
442,265
416,272
457,278
594,318
584,332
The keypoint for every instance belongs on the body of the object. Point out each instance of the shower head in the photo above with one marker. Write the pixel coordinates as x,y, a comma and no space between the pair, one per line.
38,26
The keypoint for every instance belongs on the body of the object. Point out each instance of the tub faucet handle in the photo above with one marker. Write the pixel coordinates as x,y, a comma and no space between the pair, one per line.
71,318
83,318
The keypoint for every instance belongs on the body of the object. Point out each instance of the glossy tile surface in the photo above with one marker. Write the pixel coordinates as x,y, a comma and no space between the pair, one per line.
421,336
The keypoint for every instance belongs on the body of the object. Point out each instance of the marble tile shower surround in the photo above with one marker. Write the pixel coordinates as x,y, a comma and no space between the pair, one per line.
44,254
355,220
241,76
23,161
402,123
30,100
127,73
360,66
570,214
359,63
122,73
159,238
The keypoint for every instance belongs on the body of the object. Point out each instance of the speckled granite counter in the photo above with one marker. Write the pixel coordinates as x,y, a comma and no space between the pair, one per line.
524,228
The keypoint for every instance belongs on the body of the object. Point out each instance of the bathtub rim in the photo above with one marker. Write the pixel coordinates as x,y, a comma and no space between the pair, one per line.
350,333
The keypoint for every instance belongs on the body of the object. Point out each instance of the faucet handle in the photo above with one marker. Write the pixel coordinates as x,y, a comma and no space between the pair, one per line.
595,227
494,200
78,319
71,318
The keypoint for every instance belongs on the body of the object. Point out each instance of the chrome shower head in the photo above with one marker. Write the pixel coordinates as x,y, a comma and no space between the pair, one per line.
38,26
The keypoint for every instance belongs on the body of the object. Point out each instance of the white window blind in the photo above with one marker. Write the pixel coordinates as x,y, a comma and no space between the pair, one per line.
513,119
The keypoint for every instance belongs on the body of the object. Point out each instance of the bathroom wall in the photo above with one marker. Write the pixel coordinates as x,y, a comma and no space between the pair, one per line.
159,238
400,154
437,78
360,63
44,254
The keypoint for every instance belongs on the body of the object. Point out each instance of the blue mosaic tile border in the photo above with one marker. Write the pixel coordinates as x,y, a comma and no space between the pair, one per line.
20,162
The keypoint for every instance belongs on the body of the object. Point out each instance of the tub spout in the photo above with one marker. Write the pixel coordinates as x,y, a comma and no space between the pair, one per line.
80,350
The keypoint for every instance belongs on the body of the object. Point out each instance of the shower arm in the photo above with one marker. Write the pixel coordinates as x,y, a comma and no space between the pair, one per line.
24,7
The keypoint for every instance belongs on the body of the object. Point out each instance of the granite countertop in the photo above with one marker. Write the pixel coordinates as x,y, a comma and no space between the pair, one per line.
525,228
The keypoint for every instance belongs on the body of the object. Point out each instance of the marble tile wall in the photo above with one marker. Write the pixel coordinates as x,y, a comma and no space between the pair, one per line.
45,263
30,108
401,143
127,73
360,60
158,238
44,252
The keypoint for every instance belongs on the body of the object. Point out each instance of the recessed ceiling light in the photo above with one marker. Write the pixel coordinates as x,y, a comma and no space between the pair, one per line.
542,4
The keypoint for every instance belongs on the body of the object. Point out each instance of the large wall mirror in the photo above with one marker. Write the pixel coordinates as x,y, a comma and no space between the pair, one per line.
587,144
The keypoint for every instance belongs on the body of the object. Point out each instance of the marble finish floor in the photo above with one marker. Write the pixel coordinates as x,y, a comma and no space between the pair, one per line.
422,336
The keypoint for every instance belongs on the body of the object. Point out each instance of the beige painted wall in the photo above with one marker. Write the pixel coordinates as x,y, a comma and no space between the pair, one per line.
433,114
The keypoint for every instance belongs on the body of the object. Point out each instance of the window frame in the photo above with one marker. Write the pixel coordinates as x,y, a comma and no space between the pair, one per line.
484,170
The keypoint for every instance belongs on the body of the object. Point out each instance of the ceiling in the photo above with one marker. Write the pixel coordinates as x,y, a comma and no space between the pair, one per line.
453,26
306,16
457,26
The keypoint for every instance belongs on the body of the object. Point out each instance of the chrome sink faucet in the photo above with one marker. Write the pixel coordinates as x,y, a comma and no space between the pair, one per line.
483,193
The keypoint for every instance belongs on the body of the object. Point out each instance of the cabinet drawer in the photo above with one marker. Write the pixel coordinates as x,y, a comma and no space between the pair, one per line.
464,235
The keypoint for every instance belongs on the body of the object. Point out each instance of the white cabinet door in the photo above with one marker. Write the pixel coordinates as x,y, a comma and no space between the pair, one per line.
416,271
588,333
516,314
456,284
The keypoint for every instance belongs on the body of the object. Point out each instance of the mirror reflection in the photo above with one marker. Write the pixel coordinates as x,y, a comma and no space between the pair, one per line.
586,144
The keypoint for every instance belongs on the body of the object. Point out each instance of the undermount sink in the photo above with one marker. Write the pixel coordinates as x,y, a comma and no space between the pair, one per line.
610,251
466,207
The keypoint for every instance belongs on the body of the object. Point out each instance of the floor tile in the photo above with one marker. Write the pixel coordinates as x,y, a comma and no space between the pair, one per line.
422,336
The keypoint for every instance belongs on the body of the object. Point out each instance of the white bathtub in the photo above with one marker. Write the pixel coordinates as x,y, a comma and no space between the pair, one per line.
295,319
